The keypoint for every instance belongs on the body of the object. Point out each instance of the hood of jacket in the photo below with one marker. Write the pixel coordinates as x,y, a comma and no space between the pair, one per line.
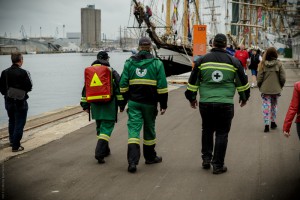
142,59
270,63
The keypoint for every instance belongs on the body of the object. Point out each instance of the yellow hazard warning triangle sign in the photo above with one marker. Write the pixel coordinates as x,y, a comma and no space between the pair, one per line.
95,81
98,84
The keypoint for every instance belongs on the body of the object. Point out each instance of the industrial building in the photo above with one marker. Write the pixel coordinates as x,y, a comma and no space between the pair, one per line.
90,27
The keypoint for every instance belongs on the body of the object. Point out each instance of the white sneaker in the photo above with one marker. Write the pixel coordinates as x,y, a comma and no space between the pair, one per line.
252,85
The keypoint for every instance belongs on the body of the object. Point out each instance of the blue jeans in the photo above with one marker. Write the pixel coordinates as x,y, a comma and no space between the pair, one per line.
216,118
17,114
254,72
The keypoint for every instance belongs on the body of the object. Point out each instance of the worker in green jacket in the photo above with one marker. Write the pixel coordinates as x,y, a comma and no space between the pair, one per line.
143,84
216,76
105,114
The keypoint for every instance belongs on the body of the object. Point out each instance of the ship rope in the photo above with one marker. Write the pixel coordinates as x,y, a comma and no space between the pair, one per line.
187,55
157,20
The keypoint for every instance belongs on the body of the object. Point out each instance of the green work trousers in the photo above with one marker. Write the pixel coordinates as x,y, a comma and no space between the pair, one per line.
141,115
104,129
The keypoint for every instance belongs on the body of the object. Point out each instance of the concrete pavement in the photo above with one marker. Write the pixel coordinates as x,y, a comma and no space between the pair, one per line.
260,165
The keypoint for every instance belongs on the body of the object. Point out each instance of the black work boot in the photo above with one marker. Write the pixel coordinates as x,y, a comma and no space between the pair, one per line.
107,153
267,129
133,157
220,170
150,154
100,160
206,164
132,168
101,150
273,125
157,159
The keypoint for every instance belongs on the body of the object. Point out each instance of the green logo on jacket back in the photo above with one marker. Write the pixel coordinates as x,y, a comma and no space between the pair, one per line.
141,72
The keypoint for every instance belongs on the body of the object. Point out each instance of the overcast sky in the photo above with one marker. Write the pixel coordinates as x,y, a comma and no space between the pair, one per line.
49,14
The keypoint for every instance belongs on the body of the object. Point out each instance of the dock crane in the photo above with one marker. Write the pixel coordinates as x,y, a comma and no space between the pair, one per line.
23,32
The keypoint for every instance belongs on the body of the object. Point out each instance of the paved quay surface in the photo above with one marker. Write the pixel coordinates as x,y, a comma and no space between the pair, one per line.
43,121
260,165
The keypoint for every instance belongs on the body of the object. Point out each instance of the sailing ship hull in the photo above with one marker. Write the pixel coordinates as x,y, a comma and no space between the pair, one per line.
174,62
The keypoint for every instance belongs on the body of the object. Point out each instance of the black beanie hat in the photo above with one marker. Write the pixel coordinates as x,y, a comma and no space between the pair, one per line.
102,55
220,40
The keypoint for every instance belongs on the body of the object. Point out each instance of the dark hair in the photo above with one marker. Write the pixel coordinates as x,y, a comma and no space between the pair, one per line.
102,55
271,54
258,52
16,57
268,55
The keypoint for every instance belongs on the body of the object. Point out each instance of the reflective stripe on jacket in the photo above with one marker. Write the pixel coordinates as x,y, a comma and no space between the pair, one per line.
143,80
217,75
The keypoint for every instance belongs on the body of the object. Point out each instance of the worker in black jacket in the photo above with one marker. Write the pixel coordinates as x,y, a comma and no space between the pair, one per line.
216,76
19,79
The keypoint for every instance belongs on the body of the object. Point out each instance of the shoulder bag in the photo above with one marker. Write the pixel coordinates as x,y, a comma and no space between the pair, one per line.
14,93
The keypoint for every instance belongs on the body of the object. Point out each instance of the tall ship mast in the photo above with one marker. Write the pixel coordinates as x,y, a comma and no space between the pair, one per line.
212,15
170,28
263,23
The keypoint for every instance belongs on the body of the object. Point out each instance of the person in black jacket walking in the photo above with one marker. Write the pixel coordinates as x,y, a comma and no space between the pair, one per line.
16,77
216,76
255,59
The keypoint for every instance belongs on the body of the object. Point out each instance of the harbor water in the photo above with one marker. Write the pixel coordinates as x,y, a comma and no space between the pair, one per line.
57,79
